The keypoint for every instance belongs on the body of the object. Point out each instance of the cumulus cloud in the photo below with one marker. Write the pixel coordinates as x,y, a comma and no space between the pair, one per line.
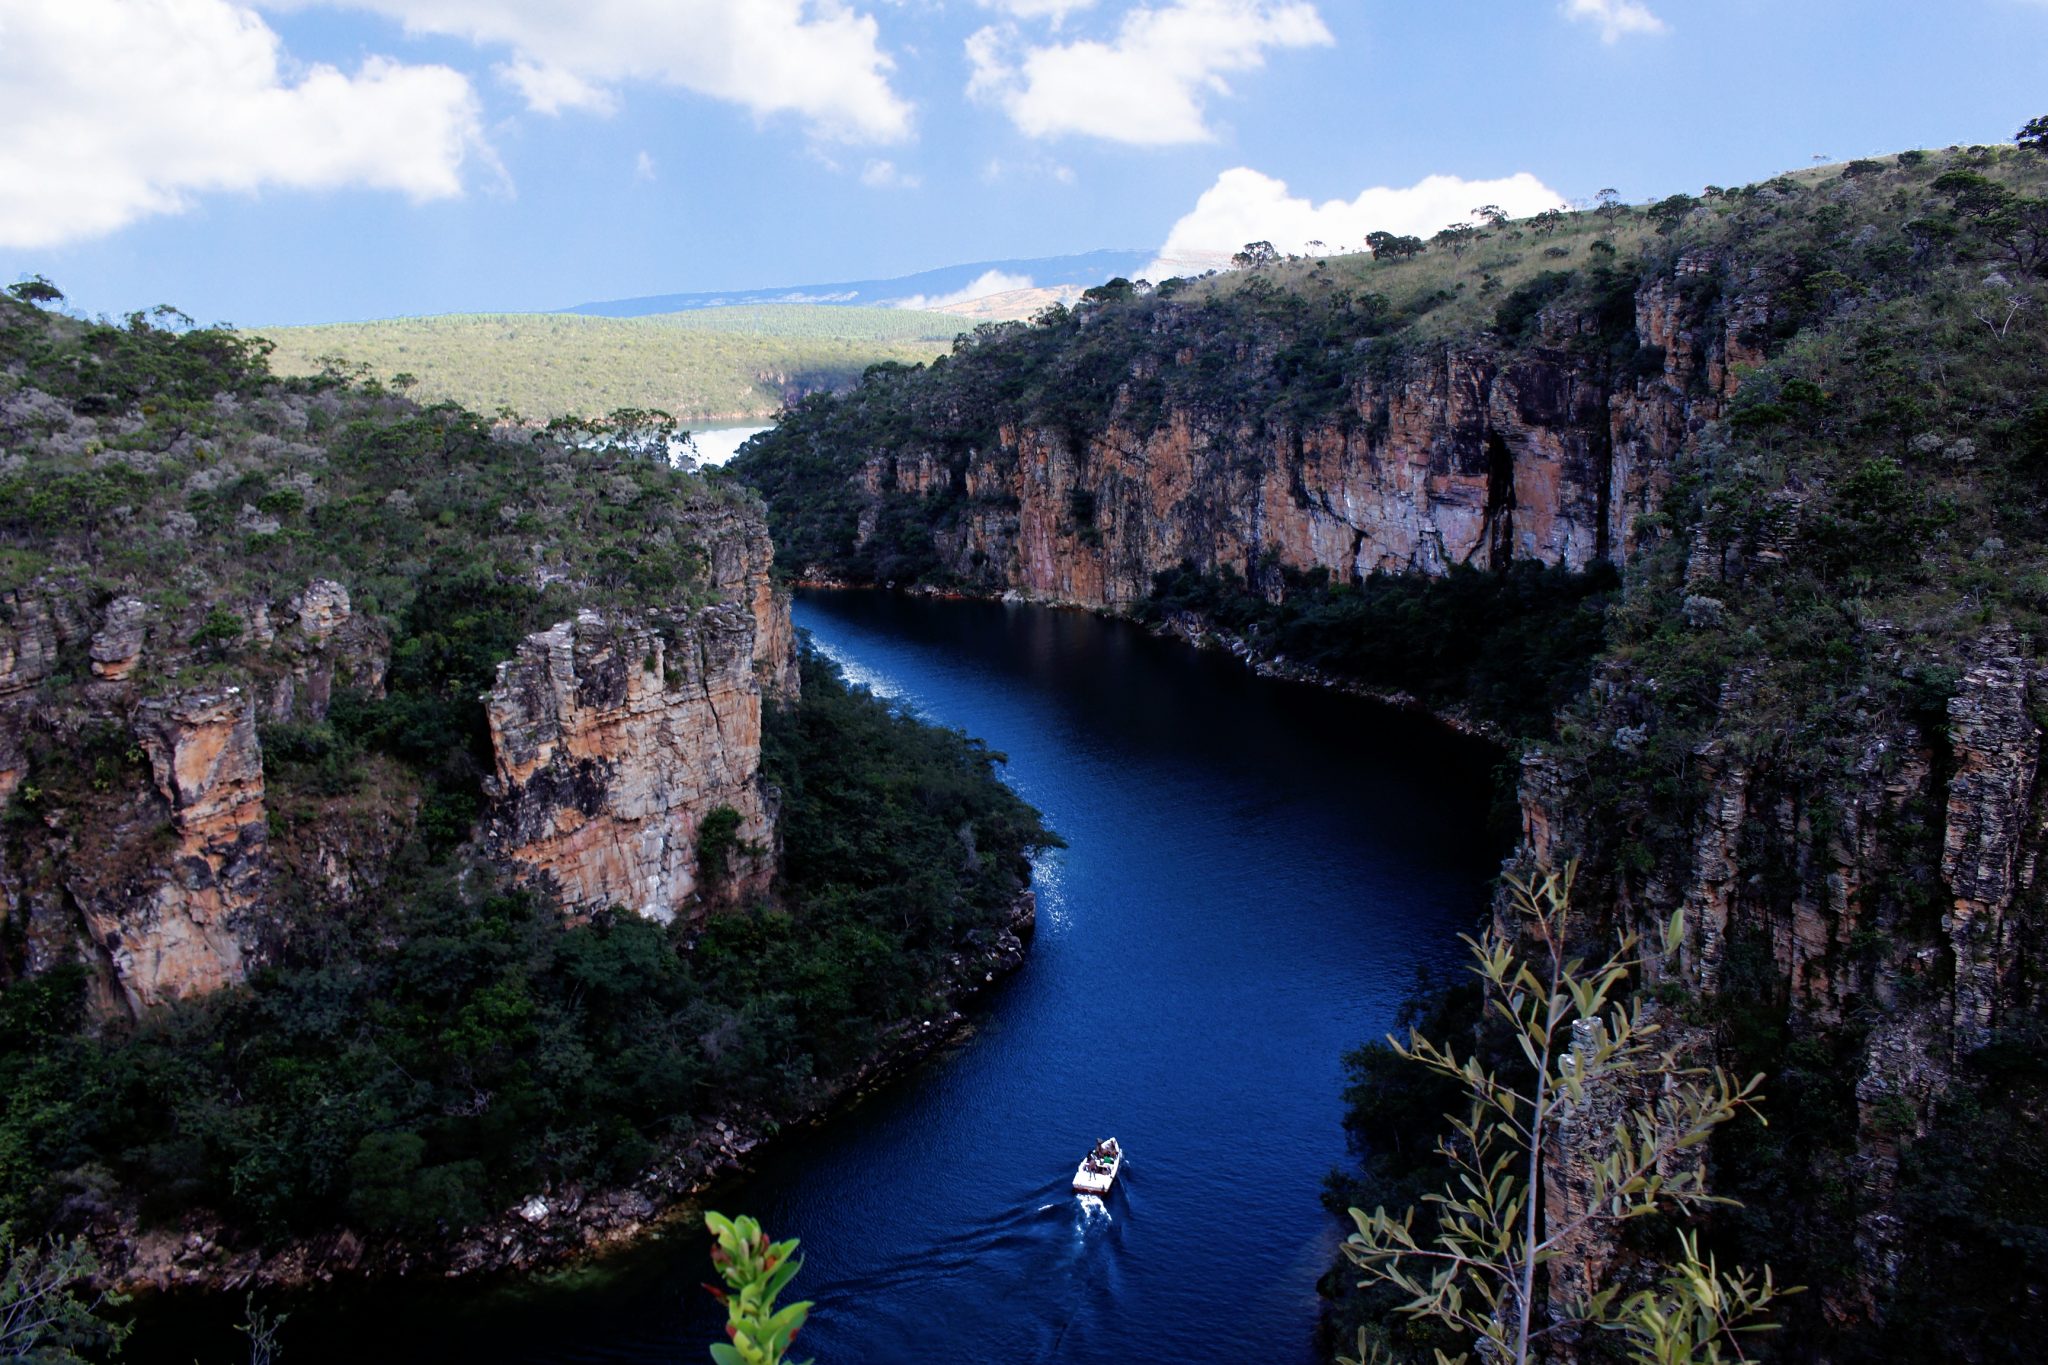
987,283
1149,86
817,59
1615,18
119,109
1246,206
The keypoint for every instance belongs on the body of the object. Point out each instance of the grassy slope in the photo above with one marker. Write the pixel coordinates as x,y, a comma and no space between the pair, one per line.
1445,294
704,365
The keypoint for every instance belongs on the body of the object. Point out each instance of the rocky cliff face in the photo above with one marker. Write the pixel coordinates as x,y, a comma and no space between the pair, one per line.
615,740
144,846
146,849
1468,454
616,737
1884,911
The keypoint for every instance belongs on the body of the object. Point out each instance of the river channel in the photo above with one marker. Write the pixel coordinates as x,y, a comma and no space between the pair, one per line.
1255,872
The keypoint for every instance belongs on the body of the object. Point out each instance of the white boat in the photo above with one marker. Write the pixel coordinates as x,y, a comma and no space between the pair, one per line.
1097,1171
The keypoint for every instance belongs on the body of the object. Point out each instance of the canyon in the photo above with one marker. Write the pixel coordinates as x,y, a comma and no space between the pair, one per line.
1798,735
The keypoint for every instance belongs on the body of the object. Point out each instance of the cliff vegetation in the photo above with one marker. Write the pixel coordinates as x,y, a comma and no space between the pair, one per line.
1802,423
412,826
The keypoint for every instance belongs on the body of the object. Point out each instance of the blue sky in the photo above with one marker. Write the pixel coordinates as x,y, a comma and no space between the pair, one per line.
311,160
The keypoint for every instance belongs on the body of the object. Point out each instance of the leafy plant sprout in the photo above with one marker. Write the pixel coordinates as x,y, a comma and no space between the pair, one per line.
1499,1267
755,1271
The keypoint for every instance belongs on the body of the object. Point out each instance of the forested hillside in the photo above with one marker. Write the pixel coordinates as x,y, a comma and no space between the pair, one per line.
318,950
1734,508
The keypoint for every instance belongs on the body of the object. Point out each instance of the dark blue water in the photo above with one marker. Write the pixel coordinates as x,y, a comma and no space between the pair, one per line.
1255,871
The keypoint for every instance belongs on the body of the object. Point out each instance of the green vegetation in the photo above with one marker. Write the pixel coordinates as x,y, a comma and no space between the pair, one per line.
755,1271
50,1312
418,1053
1497,1263
1864,522
1506,648
712,364
172,465
445,1046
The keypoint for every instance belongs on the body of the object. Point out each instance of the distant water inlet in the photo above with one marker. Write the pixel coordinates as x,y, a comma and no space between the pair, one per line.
1255,872
717,444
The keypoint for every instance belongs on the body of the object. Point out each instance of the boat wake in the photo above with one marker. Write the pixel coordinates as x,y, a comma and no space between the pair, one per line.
1028,1278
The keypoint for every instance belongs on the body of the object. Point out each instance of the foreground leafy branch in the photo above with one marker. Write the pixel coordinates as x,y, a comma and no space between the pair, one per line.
1499,1265
755,1270
49,1310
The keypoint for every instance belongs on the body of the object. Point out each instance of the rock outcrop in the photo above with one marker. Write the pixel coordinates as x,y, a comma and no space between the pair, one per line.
150,856
615,736
190,929
1990,826
615,739
1470,454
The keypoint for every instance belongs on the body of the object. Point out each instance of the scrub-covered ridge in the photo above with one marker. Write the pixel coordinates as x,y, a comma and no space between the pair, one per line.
1734,511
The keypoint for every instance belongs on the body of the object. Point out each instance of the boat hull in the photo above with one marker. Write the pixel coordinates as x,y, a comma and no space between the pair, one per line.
1097,1178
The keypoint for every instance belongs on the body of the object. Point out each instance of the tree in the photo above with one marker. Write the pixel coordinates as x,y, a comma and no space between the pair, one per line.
1493,215
1110,291
1607,203
1547,222
1505,1235
755,1270
1457,237
1670,212
1387,246
48,1309
1255,256
36,290
2034,135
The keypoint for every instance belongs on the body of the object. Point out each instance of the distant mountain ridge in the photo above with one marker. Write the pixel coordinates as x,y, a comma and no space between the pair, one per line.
1087,268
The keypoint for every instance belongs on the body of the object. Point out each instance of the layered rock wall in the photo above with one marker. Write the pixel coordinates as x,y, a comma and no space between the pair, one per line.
615,736
1892,903
1470,454
148,852
615,739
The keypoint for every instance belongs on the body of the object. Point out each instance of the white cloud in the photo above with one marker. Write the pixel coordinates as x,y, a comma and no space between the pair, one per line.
887,175
989,282
119,109
1148,87
550,89
1616,18
997,170
818,59
643,166
1055,10
1245,206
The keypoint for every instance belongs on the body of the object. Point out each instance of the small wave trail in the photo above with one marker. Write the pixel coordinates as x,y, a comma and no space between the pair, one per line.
1022,1277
